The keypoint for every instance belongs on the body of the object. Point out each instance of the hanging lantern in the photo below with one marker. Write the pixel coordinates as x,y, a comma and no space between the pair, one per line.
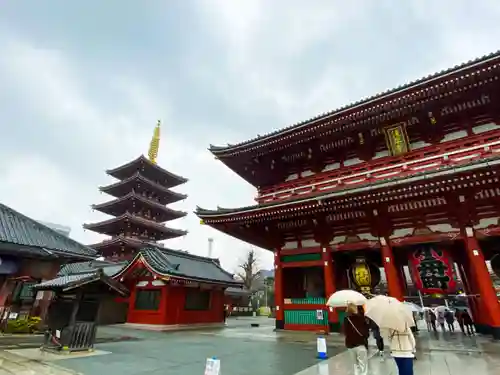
364,275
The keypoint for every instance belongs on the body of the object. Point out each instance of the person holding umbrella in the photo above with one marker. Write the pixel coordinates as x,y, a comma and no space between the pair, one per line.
356,333
403,349
397,318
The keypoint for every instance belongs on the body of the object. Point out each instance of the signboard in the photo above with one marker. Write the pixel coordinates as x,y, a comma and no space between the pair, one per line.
432,270
212,367
397,139
319,314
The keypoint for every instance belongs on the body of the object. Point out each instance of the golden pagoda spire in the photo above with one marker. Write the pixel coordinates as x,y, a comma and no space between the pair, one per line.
155,143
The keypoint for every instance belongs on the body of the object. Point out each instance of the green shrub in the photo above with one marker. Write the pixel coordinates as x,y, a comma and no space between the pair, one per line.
29,325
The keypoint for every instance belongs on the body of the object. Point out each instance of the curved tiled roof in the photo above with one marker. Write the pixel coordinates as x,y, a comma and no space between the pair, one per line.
220,150
18,229
173,178
166,262
169,213
138,221
169,195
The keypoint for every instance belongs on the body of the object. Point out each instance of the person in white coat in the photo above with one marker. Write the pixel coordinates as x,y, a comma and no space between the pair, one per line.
403,349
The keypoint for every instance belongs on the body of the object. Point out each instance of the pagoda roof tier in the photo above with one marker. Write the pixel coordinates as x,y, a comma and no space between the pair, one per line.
377,106
404,199
116,244
142,185
171,265
146,228
133,202
149,170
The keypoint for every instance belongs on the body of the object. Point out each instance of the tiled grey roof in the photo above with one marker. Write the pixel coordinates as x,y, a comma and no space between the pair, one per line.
18,229
185,265
237,292
109,268
303,124
69,282
123,171
65,280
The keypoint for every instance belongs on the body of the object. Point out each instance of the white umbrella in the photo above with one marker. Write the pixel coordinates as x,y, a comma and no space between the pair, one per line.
389,313
414,307
440,309
343,297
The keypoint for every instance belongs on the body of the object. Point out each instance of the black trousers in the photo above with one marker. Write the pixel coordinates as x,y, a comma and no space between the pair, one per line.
380,343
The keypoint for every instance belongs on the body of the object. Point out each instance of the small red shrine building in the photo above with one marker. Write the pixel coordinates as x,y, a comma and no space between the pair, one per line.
406,178
167,287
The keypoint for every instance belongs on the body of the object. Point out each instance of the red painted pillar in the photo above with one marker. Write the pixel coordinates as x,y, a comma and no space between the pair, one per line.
278,290
482,280
330,287
391,271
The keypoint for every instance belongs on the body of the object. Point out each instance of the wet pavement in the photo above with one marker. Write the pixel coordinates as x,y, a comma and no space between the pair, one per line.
244,350
441,353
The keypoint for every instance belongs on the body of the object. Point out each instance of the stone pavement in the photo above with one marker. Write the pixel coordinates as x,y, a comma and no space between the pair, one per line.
13,364
437,354
244,350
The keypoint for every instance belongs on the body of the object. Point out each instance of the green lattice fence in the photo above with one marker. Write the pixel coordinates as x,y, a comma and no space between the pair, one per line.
305,317
300,257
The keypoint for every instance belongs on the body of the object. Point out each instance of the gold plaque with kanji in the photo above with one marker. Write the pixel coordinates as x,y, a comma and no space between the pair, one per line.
397,139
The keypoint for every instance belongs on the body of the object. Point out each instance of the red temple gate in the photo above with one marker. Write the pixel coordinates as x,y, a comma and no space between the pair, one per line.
413,169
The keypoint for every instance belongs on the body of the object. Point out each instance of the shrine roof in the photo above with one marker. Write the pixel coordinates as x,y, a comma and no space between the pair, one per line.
417,177
237,292
32,237
149,169
183,265
70,282
109,268
380,100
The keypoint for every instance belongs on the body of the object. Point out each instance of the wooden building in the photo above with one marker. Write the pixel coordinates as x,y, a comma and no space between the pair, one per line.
407,177
167,287
30,253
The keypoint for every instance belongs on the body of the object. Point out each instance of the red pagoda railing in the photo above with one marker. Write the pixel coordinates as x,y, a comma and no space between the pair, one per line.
457,153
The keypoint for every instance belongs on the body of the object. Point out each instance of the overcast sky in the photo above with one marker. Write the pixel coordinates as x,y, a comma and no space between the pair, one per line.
82,84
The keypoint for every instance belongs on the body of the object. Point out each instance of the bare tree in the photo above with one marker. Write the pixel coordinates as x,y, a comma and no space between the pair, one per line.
249,270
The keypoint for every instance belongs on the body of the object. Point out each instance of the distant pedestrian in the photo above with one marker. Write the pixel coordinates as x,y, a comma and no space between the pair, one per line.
430,318
441,320
356,333
468,322
450,320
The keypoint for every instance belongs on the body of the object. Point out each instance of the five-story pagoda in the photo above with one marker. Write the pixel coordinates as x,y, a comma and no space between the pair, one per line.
139,209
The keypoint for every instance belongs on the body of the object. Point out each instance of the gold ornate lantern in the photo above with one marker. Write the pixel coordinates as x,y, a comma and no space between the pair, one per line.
361,275
364,275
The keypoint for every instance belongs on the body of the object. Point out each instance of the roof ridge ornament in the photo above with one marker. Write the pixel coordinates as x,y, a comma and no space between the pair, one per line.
155,143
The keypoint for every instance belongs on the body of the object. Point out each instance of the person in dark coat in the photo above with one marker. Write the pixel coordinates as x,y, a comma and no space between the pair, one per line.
377,336
468,322
450,320
356,331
